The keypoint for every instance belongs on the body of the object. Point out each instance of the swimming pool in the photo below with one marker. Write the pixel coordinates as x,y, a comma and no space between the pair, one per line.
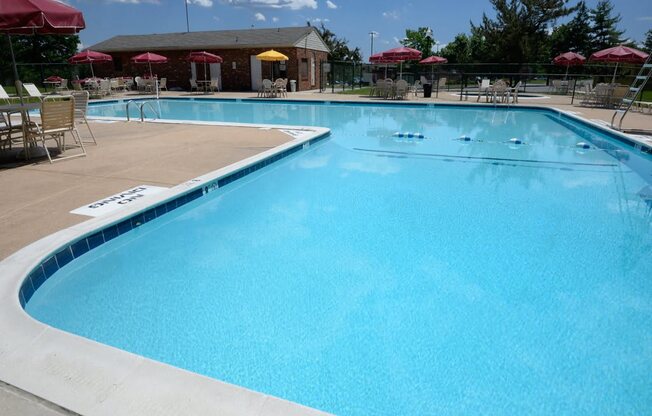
376,274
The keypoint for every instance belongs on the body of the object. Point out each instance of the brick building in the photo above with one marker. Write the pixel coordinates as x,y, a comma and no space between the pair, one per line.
240,71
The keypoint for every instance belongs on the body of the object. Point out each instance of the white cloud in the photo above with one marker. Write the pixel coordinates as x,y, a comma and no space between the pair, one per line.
202,3
275,4
275,19
319,20
260,17
330,4
645,18
392,14
135,1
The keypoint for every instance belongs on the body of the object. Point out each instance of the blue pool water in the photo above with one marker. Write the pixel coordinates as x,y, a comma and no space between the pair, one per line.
375,275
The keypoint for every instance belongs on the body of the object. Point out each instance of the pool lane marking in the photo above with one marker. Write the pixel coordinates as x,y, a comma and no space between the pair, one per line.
497,159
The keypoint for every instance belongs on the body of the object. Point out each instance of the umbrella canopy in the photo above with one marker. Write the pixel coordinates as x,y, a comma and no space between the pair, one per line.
271,55
204,58
39,16
433,60
46,17
149,58
569,59
88,57
401,54
378,58
619,54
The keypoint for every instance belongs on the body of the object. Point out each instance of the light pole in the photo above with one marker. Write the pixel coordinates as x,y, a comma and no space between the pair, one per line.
372,35
187,19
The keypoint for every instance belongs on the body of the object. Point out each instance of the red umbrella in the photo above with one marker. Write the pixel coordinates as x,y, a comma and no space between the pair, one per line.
149,58
37,17
400,54
378,58
569,59
620,54
205,58
88,57
433,60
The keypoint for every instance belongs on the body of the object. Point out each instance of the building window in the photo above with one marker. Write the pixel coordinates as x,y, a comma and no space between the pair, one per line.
117,63
303,69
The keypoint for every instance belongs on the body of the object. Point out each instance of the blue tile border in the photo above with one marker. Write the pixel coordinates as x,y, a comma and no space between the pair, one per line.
79,247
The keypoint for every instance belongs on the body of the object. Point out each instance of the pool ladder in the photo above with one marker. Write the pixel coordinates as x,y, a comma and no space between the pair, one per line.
141,109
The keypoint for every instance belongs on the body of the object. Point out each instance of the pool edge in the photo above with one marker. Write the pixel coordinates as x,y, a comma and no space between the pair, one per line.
90,378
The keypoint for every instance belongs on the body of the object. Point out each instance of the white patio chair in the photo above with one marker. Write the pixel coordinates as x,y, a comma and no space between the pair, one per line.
33,91
417,87
105,87
193,85
163,84
280,85
500,91
483,89
389,88
401,89
62,87
267,89
81,108
57,119
441,84
141,85
513,92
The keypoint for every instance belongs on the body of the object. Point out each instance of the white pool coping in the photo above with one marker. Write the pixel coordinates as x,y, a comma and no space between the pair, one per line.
90,378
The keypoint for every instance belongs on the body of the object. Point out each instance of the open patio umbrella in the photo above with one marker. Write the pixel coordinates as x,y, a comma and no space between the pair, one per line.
149,59
379,59
205,58
619,54
400,54
433,60
569,59
88,57
44,17
271,56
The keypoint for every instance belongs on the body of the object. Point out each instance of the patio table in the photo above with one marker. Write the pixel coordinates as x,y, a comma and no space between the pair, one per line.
24,110
204,84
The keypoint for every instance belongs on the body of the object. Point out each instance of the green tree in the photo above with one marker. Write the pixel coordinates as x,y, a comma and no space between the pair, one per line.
518,34
459,50
37,50
575,35
420,39
647,43
605,33
339,47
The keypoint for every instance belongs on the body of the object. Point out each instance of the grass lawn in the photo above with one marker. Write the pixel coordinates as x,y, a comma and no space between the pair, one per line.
646,96
357,91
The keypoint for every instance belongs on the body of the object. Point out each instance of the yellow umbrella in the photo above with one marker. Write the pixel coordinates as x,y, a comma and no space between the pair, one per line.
271,56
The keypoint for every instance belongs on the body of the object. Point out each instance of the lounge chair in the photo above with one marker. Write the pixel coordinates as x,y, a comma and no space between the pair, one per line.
81,108
57,119
32,91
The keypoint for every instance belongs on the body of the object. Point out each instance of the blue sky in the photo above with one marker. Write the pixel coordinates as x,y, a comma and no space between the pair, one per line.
351,19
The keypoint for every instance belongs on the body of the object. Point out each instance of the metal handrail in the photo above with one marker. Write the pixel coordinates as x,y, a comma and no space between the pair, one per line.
127,108
142,110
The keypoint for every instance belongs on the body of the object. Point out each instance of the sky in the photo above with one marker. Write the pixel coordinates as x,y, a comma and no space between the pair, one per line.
350,19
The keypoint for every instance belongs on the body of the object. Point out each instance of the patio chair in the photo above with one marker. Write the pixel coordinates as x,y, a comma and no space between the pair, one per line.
281,87
114,85
4,97
378,89
483,88
32,91
417,87
513,93
401,90
9,133
77,86
442,83
81,108
105,87
267,88
163,84
618,92
388,91
141,85
57,119
500,91
423,80
62,87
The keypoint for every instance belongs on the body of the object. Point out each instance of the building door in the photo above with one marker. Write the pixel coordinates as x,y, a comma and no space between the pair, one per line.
216,72
256,73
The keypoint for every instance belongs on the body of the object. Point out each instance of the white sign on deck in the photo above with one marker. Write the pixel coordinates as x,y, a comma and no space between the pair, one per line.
115,202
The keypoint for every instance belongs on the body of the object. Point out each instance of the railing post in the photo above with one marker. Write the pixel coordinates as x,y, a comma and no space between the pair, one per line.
462,81
574,86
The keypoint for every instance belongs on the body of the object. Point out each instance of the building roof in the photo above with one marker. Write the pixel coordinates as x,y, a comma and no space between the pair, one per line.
220,39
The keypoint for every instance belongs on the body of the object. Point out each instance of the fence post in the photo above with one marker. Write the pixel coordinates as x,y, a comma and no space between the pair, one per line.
462,81
574,86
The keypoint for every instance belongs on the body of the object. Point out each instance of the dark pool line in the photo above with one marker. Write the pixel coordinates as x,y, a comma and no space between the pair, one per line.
495,159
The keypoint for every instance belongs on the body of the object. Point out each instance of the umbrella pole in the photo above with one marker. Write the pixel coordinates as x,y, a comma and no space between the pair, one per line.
566,76
151,75
92,72
19,88
385,71
613,79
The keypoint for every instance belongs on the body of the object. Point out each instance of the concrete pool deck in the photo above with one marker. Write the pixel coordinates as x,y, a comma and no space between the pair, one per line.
38,197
